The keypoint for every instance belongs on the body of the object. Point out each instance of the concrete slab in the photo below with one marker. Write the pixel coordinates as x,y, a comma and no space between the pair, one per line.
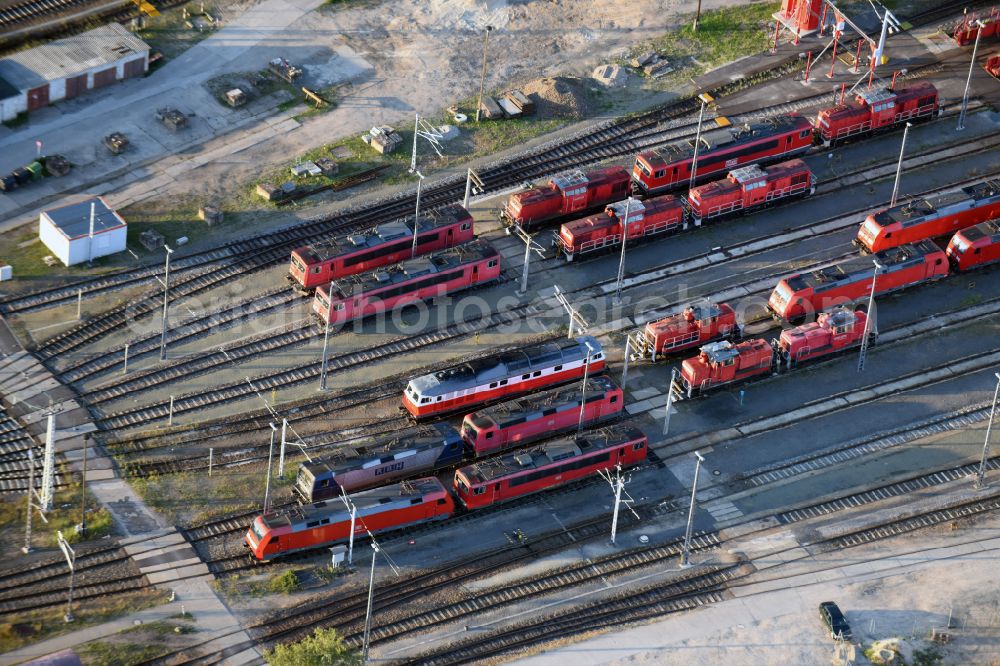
172,575
130,514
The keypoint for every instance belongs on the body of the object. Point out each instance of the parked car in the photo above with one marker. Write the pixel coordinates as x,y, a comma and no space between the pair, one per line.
835,621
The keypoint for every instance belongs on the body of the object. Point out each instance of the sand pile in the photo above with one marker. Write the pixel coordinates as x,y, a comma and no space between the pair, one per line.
558,97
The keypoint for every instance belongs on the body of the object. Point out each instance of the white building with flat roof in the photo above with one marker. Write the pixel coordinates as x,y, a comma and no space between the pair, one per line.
82,231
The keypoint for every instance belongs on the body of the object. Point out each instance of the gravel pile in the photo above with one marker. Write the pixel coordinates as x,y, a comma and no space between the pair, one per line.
559,97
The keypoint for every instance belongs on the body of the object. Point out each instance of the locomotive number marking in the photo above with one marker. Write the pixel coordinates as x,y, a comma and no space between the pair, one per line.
395,467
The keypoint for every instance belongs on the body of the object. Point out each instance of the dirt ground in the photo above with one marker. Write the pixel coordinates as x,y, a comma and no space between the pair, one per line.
896,602
428,55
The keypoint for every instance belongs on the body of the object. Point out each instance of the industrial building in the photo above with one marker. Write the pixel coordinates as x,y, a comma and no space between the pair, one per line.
82,231
69,67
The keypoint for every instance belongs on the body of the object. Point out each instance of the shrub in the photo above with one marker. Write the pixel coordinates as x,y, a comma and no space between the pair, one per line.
323,648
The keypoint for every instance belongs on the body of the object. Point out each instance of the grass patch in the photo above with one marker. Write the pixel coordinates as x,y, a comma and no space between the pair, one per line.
162,628
284,583
928,656
64,516
723,35
169,33
120,654
33,626
190,497
181,219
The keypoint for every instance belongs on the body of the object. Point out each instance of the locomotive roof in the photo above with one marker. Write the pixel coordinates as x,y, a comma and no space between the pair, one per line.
719,138
384,448
839,317
635,208
698,311
353,285
989,229
504,364
368,502
532,406
912,212
717,352
565,181
383,233
556,451
861,268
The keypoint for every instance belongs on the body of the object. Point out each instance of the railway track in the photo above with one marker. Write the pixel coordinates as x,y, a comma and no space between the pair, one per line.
646,603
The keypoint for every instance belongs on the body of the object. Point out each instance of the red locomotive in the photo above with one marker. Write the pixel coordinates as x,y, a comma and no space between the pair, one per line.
965,32
324,523
599,232
830,333
802,294
975,247
540,415
517,474
695,326
568,194
359,296
992,66
721,363
748,188
320,263
722,149
930,218
877,109
500,375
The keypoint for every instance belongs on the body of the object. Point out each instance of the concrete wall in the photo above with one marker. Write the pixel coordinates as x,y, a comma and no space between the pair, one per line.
10,107
57,243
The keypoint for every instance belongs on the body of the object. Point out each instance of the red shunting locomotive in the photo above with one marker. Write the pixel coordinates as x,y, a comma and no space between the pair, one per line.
749,188
697,325
569,194
877,109
975,247
600,232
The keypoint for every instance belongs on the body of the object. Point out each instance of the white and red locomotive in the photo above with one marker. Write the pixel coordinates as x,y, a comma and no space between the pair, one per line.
975,247
558,463
646,219
540,415
318,264
723,363
359,296
568,194
932,217
875,110
498,376
722,149
697,325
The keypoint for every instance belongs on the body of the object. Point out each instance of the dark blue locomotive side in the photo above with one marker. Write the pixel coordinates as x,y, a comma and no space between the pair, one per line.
379,461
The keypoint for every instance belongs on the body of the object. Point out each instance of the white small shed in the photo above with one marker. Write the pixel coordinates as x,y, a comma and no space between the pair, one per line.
82,231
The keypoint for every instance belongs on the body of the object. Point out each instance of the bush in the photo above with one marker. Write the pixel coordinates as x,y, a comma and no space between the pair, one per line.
323,648
286,583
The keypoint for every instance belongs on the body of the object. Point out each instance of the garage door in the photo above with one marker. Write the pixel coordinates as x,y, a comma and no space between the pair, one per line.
135,68
76,85
38,97
105,78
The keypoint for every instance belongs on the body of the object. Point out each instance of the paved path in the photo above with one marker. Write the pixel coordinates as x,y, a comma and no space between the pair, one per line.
27,390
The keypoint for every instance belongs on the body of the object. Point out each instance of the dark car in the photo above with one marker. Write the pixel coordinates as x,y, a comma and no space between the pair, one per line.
835,621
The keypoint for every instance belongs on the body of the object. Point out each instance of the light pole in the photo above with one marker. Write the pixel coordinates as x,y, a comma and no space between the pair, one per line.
670,401
981,474
705,99
621,261
416,214
482,79
968,80
83,488
368,613
31,491
71,561
166,302
899,166
583,388
869,319
697,17
628,344
324,365
270,453
686,552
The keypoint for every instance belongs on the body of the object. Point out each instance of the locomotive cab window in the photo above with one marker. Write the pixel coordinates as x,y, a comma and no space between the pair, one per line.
538,373
977,250
937,262
614,399
325,483
315,270
489,435
493,263
442,501
493,385
557,368
527,376
338,307
478,491
638,446
661,173
465,226
804,133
